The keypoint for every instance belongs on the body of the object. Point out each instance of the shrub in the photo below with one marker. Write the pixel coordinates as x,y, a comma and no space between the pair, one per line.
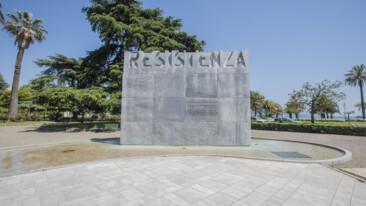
312,128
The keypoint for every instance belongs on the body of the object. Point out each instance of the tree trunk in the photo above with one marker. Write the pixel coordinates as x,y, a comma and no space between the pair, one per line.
82,117
322,115
13,107
362,100
331,115
312,111
312,117
74,115
290,115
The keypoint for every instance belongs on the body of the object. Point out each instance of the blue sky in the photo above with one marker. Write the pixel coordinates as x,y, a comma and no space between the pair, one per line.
289,42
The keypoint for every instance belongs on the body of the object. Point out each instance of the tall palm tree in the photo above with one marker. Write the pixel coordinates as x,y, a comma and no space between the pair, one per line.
357,77
26,31
2,19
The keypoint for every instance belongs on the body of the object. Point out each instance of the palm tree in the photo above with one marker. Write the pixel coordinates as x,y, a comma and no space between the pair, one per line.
256,101
357,77
272,108
2,19
26,31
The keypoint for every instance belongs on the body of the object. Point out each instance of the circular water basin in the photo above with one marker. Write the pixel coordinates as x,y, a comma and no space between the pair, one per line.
265,149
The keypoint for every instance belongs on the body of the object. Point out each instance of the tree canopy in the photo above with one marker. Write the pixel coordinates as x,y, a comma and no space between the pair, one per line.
122,25
314,95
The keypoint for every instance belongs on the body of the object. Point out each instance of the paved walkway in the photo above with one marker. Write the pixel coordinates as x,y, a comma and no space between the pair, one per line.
184,181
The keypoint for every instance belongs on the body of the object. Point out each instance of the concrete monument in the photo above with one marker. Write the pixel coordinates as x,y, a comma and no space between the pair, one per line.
181,98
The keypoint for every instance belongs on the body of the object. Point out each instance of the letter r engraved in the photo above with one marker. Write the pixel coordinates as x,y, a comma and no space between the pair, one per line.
134,58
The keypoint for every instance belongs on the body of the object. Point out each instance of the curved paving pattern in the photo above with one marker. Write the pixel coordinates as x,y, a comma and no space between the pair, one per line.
184,181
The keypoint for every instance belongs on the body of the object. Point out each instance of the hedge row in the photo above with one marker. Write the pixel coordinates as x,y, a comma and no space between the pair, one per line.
309,128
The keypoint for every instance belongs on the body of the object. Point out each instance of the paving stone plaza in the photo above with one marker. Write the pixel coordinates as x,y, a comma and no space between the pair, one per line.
200,181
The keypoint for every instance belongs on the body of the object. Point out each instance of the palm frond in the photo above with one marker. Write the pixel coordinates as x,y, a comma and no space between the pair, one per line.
356,76
25,30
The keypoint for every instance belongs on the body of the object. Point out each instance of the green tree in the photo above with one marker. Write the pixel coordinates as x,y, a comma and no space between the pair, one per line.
114,103
327,107
3,84
312,95
62,69
77,101
256,102
26,31
125,25
295,105
42,82
357,77
272,108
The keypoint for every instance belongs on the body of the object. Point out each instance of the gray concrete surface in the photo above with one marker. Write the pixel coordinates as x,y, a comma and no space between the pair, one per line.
199,181
21,136
355,144
181,98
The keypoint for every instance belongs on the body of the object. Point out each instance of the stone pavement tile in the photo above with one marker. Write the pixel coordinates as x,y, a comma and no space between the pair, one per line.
302,197
270,203
161,201
344,192
200,203
80,192
191,195
227,178
156,188
8,193
51,199
176,199
358,202
109,199
254,199
220,199
131,193
240,203
6,201
202,189
235,191
359,194
212,185
250,184
285,192
34,201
